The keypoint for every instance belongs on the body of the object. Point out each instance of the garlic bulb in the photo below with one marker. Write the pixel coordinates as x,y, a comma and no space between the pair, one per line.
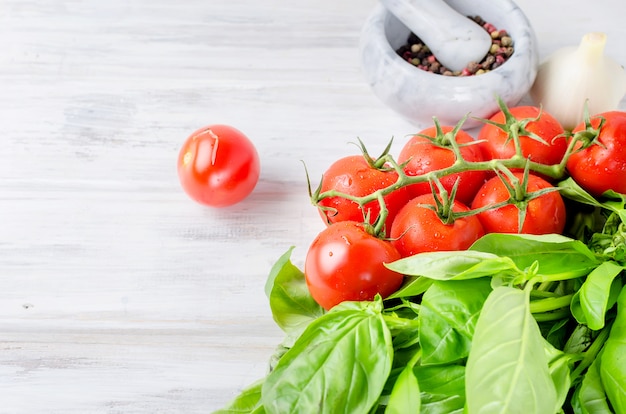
575,75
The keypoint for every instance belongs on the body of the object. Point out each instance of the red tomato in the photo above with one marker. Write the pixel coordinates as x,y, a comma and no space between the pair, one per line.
353,175
346,263
418,228
544,214
423,156
218,166
602,166
498,145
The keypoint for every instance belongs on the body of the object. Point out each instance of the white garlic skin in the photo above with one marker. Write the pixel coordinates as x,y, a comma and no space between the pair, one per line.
575,75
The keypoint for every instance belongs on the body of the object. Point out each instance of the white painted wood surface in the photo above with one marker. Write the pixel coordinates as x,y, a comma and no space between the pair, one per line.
117,293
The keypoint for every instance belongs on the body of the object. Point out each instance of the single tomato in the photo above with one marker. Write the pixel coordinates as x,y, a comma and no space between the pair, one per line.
499,144
602,165
417,228
544,214
218,166
346,263
353,175
422,155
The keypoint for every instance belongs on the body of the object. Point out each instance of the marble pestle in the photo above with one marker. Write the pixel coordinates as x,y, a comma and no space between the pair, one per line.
454,39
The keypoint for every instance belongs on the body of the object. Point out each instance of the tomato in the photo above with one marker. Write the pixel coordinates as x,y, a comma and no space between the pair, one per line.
417,228
602,166
218,166
346,263
422,156
354,176
498,145
544,214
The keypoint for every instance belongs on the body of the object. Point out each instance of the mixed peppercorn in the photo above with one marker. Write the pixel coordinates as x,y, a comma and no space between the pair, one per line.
417,53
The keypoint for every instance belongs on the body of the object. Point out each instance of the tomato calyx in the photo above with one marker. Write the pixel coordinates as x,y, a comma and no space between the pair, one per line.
444,202
589,134
354,175
586,137
380,162
515,128
448,139
520,197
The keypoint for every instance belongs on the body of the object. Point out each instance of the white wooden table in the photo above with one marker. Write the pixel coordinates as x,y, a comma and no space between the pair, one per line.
117,293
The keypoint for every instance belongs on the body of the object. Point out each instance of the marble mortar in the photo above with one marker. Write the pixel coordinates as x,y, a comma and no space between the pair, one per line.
418,95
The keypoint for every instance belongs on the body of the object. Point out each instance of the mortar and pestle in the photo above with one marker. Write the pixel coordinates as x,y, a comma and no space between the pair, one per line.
455,40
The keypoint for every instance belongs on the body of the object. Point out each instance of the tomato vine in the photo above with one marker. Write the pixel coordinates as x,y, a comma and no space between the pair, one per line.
503,167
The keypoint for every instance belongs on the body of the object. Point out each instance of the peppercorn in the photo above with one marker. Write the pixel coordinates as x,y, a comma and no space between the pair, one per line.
434,67
418,54
488,62
506,41
473,67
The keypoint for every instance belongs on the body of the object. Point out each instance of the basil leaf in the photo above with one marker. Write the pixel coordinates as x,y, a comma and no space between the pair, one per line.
555,332
559,364
615,202
613,360
591,301
340,363
442,387
610,200
591,396
405,332
447,318
453,265
507,368
248,402
405,396
413,286
579,340
554,254
572,190
292,306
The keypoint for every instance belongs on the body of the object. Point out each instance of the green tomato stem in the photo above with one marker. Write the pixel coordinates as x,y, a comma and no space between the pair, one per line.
520,196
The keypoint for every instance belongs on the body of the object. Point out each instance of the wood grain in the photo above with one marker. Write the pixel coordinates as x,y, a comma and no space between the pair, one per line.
117,293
